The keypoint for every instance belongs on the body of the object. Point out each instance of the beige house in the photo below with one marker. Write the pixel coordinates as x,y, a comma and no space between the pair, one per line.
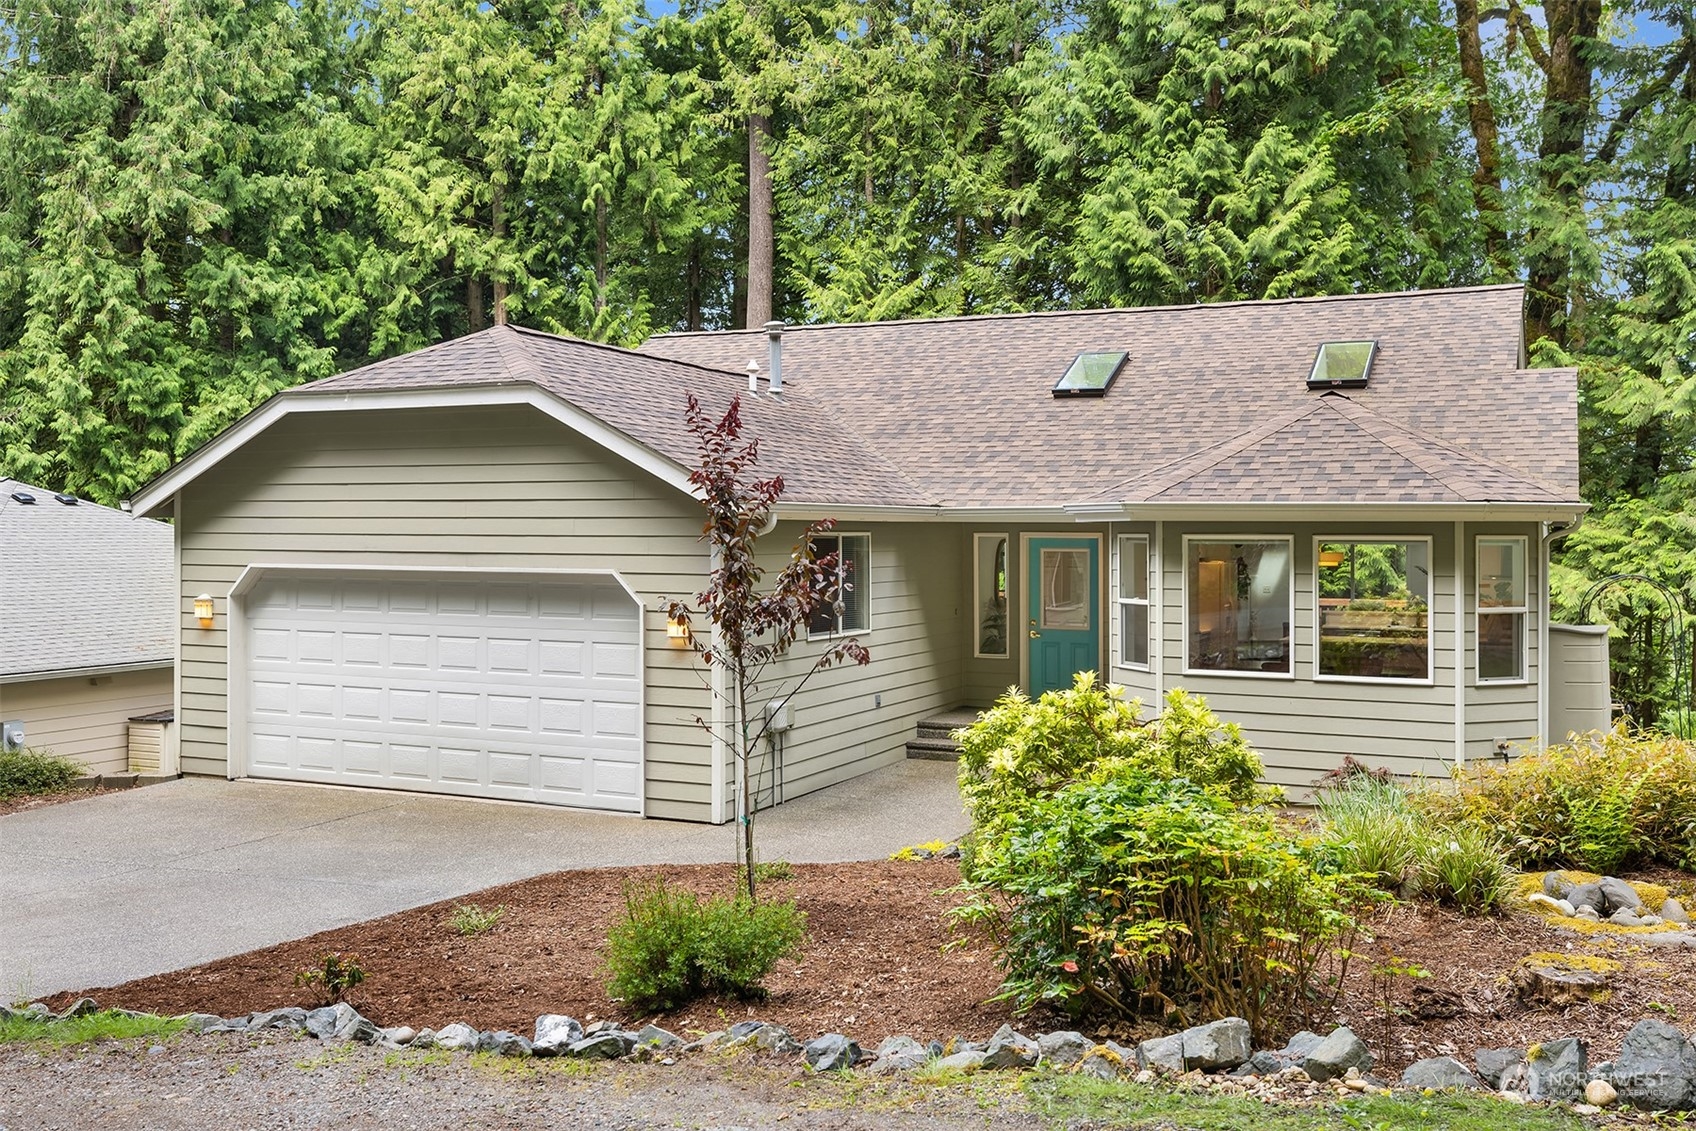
86,635
446,571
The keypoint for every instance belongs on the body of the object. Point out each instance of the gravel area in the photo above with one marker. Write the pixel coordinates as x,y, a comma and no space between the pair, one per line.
236,1081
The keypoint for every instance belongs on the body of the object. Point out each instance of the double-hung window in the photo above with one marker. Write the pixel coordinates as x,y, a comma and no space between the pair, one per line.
1501,610
1133,601
852,610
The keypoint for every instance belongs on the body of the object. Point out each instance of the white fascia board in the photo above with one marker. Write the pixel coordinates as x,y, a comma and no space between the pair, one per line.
89,672
1333,512
862,512
159,493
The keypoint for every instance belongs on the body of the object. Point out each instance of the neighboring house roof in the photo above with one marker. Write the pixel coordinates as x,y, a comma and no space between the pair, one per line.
82,587
1212,406
964,405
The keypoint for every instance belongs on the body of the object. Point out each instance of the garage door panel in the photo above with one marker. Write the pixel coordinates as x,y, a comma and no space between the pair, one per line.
452,686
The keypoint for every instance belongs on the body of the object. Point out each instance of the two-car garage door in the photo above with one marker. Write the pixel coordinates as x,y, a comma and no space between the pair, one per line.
486,686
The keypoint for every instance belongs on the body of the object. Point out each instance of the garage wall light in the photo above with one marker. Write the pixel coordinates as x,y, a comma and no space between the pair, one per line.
203,610
677,632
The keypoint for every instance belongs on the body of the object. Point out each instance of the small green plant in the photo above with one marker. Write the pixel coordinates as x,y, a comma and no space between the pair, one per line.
470,919
767,871
1464,866
672,946
29,772
1370,827
336,975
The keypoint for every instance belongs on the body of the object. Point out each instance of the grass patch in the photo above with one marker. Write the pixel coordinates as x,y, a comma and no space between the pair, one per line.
470,919
106,1025
1068,1099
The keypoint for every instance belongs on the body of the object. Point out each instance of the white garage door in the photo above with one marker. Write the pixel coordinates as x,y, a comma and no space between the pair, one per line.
528,690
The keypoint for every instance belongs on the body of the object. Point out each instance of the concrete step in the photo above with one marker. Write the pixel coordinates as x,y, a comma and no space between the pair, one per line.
933,750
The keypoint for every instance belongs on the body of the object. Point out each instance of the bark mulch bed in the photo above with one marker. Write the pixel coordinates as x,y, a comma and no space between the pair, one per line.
42,800
882,958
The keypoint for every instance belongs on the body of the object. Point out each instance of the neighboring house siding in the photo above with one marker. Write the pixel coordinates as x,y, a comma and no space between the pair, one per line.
484,488
86,719
916,639
1303,728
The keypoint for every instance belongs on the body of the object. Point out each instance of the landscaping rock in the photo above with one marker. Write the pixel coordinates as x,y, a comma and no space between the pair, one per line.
654,1037
82,1007
398,1037
1600,1093
1166,1053
775,1038
1065,1048
555,1032
1100,1066
1299,1046
1586,913
605,1045
1438,1072
35,1011
900,1054
1656,1068
1551,982
456,1036
426,1039
1557,1070
830,1052
200,1022
969,1061
1619,896
502,1043
1625,917
1494,1063
291,1017
1007,1049
1587,895
745,1029
713,1040
1336,1054
1262,1063
1555,885
1217,1044
1673,912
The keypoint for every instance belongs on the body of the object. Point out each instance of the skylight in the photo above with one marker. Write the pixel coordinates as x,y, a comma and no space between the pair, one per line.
1342,365
1090,375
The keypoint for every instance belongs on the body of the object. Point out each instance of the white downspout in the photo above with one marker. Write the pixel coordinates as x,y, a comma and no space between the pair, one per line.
1460,643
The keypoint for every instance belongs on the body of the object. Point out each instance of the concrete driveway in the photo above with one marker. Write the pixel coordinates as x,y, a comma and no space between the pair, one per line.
96,892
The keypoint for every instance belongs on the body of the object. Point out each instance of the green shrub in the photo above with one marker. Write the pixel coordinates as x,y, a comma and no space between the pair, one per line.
1626,797
470,919
1464,866
336,975
1137,896
25,772
1369,826
672,946
1020,751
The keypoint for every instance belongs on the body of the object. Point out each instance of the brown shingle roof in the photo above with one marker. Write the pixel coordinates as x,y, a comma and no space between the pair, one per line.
963,405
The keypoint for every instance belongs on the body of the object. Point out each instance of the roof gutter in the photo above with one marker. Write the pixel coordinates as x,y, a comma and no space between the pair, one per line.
86,673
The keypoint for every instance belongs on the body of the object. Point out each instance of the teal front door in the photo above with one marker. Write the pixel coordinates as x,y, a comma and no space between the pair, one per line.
1063,628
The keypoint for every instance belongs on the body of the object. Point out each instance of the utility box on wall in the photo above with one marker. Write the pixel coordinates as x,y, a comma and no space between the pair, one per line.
11,736
1580,698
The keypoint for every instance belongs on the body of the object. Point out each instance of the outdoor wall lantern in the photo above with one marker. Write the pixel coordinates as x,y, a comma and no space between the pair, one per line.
203,610
677,632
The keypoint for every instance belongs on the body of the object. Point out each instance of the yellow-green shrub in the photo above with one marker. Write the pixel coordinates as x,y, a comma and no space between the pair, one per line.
1624,798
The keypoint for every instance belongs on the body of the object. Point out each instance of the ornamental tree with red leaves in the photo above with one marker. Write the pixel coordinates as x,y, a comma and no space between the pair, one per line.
753,628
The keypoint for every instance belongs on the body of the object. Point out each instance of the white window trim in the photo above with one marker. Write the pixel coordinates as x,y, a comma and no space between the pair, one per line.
975,625
839,632
1430,679
1184,608
1122,602
1479,610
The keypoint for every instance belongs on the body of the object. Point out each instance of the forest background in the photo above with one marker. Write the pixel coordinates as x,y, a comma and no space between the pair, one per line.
206,201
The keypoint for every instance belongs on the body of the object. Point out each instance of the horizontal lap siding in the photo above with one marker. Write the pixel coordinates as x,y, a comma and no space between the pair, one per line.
489,488
86,719
915,642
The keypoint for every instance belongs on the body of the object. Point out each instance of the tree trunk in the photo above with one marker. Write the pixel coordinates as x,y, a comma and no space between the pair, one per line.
760,244
600,252
1567,93
692,287
473,301
497,223
1487,177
